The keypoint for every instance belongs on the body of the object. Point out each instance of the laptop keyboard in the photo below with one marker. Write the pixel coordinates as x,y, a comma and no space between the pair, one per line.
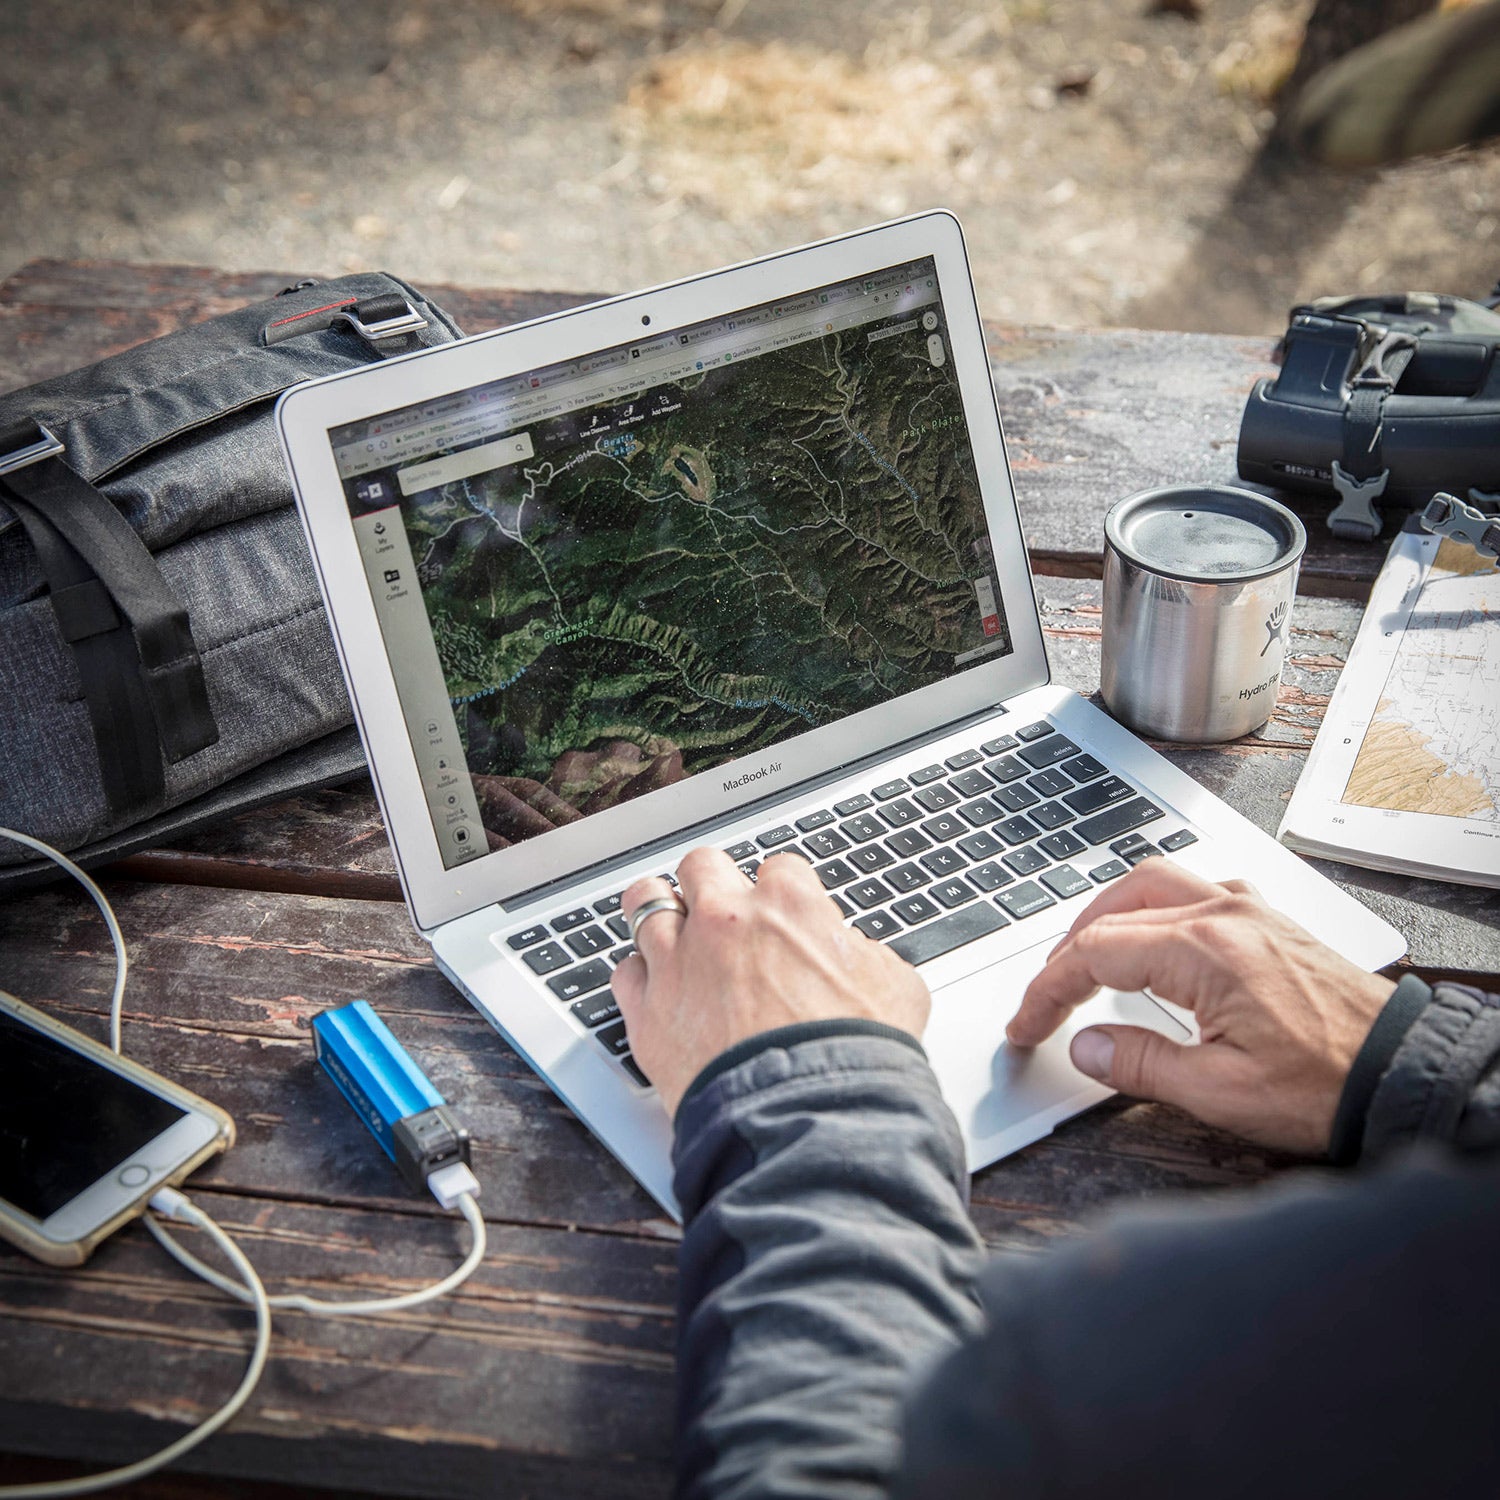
926,862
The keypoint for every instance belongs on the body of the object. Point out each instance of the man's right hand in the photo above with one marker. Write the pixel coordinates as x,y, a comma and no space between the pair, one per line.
1281,1016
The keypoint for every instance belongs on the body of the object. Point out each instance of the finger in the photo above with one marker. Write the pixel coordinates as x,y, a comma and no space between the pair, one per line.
1153,883
788,876
710,879
628,982
1125,953
656,935
1143,1064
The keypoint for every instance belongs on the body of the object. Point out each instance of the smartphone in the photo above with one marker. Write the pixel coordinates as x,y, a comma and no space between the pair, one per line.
86,1137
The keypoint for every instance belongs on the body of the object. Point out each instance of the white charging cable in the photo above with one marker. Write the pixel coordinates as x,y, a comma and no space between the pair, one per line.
453,1186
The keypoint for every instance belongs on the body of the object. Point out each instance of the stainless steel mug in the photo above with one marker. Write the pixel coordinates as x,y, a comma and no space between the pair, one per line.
1198,588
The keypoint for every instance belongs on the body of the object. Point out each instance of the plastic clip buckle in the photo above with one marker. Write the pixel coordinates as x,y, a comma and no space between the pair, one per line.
411,321
1355,516
46,446
1373,372
1447,516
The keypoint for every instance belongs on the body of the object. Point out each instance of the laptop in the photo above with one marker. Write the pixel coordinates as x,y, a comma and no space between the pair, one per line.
737,561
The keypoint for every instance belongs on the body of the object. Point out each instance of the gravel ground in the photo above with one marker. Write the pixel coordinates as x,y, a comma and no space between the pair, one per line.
1096,153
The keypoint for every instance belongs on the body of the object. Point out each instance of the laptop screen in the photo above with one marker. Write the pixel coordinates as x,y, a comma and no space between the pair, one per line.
598,578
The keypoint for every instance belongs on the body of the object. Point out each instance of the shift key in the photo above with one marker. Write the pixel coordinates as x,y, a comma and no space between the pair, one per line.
1121,818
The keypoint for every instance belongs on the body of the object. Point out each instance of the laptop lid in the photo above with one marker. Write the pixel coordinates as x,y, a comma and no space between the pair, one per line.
601,577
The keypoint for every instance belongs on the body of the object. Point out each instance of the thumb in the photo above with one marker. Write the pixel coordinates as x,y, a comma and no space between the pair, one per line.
1139,1062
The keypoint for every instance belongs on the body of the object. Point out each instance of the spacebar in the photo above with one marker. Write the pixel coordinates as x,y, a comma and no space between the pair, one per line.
948,933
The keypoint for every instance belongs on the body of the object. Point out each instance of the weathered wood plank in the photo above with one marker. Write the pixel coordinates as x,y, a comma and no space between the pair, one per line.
1090,416
551,1369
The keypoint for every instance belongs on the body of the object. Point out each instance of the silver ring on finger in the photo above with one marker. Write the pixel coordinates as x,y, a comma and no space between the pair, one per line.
650,909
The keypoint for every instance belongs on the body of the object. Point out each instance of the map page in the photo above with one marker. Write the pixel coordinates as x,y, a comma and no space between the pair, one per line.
1405,773
769,523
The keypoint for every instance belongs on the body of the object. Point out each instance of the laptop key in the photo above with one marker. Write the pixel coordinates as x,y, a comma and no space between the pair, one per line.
906,878
621,954
571,919
606,904
1065,882
851,805
1179,840
861,828
613,1039
529,938
1017,797
1048,752
1134,849
953,892
595,1010
943,861
632,1067
923,944
1049,783
888,789
962,759
944,827
871,857
783,833
1085,768
906,842
926,774
1007,768
1120,818
972,783
826,844
1051,815
586,978
915,909
1000,744
547,958
1089,799
812,820
1111,869
1017,830
935,798
1026,861
980,811
1026,900
868,893
980,845
742,850
588,941
792,849
748,868
989,877
877,924
835,873
1038,731
900,812
1061,845
844,909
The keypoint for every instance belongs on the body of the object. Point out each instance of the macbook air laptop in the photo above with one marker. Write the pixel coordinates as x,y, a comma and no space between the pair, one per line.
737,561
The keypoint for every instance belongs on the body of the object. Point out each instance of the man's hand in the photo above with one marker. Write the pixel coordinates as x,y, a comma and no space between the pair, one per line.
1281,1016
745,959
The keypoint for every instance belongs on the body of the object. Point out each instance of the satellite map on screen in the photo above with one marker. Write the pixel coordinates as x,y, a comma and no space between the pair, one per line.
699,571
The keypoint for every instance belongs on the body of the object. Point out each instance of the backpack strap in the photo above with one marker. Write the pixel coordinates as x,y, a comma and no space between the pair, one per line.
1360,478
140,666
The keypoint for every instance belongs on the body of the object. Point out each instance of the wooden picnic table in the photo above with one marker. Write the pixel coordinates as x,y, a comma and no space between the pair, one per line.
551,1373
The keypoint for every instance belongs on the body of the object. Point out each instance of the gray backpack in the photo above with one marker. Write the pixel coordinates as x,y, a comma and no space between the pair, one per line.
164,655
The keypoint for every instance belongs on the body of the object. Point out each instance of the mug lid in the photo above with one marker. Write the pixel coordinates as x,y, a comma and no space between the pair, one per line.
1208,533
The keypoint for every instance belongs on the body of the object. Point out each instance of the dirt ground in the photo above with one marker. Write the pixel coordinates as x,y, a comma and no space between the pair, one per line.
1096,152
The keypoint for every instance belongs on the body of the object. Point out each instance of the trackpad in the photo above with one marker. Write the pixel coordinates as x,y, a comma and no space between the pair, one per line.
1004,1096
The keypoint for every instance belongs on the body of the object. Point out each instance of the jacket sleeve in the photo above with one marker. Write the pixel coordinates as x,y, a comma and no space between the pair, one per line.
1442,1082
827,1252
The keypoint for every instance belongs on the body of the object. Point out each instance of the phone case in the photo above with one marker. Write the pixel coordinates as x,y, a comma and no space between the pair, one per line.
18,1228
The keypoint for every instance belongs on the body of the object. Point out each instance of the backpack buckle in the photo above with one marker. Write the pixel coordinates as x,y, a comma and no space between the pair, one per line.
26,453
385,322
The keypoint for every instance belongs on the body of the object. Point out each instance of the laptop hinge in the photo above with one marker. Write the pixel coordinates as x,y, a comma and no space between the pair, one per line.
703,831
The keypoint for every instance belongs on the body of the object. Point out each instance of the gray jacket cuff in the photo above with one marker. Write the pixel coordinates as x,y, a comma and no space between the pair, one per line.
1443,1084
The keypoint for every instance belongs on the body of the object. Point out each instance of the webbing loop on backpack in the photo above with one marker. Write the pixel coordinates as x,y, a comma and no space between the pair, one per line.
140,667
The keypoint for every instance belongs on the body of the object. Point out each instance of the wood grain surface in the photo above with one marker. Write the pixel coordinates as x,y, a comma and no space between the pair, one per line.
550,1373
